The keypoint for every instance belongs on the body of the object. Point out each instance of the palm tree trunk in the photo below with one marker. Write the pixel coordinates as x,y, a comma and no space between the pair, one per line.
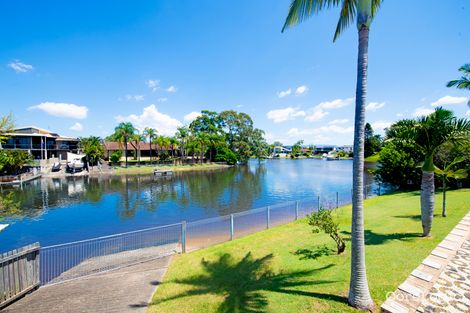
444,213
125,149
359,295
150,150
427,202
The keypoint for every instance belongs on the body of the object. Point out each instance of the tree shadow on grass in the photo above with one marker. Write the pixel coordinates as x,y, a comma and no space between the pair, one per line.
242,283
372,238
413,217
308,254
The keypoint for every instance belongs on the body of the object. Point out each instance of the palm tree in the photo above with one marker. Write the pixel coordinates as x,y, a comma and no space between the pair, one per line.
182,137
363,11
445,174
151,133
124,131
464,81
428,133
6,126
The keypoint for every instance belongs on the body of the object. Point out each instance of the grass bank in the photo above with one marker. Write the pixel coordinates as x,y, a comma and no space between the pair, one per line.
289,269
373,158
148,169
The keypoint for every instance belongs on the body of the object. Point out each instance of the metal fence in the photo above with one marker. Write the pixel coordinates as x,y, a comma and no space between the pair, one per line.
68,261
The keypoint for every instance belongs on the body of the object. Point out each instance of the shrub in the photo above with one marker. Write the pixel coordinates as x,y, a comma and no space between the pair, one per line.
13,161
116,156
323,221
226,155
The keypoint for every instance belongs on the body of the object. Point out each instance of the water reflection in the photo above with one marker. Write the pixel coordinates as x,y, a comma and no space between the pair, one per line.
73,208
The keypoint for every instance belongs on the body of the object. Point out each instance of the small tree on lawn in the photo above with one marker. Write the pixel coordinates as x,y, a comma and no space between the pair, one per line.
323,221
445,174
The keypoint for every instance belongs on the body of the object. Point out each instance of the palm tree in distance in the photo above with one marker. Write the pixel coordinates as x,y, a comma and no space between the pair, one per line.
124,131
150,133
363,11
428,133
464,81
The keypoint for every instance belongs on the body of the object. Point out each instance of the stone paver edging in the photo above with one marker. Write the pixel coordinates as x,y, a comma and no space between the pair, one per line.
441,283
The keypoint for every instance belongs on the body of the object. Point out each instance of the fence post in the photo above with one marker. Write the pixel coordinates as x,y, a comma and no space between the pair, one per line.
318,207
268,217
231,227
297,210
337,200
183,236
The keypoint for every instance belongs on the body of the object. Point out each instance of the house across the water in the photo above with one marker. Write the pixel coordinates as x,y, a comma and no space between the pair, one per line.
41,143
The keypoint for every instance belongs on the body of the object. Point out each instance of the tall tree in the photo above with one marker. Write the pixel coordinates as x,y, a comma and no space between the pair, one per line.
372,142
150,133
363,11
182,135
123,132
428,133
6,126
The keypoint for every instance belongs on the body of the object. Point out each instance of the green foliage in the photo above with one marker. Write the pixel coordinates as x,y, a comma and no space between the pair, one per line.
6,126
323,221
372,143
93,148
116,156
8,206
12,161
297,149
398,164
464,81
226,155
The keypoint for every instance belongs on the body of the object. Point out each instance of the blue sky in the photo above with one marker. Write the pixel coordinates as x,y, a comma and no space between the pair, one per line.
79,68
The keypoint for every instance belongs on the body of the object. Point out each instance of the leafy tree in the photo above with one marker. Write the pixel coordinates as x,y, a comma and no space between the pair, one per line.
12,161
123,133
363,11
323,221
428,133
297,149
398,164
6,126
93,148
182,136
372,142
446,173
226,155
259,146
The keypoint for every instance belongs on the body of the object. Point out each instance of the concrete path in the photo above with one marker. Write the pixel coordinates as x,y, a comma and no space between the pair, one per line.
124,290
441,283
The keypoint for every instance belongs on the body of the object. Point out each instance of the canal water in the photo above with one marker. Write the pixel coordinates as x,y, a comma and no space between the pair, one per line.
59,210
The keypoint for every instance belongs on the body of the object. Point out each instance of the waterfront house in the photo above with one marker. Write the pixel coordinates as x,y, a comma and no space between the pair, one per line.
41,143
346,148
323,149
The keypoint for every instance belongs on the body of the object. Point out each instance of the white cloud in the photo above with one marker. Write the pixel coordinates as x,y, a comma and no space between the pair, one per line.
62,109
316,115
301,90
76,127
134,97
335,104
374,106
323,130
191,116
285,93
153,84
450,100
422,111
20,67
341,121
282,115
162,99
151,117
399,114
379,126
172,89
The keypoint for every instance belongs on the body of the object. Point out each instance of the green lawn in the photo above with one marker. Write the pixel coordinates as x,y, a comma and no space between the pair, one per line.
289,269
148,169
373,158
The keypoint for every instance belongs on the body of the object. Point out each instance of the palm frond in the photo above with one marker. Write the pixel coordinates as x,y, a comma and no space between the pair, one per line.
301,10
376,6
465,69
460,174
346,16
